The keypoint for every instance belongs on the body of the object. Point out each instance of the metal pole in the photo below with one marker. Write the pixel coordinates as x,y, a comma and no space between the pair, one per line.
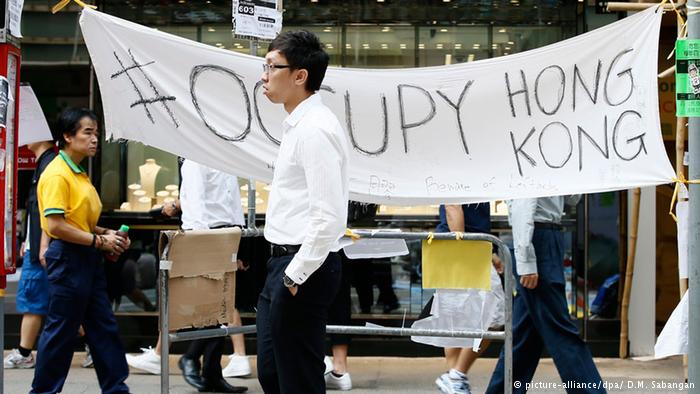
164,338
251,182
506,335
694,232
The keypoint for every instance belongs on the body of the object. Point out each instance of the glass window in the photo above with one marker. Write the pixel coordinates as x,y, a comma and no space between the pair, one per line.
510,39
441,45
388,46
151,176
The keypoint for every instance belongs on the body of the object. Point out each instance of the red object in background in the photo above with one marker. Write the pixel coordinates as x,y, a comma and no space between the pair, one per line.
25,159
9,68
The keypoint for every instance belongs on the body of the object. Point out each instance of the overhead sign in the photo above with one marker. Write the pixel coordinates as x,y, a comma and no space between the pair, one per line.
579,116
256,19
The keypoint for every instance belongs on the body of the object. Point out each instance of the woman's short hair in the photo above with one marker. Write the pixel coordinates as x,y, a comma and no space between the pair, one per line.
69,123
303,50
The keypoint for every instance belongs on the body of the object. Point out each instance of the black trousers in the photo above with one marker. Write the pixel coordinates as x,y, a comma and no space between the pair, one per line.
78,296
292,329
211,349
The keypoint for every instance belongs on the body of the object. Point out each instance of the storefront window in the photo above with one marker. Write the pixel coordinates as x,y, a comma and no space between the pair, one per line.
443,45
387,46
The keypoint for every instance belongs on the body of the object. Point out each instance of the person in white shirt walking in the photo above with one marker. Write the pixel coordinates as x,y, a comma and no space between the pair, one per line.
305,219
209,199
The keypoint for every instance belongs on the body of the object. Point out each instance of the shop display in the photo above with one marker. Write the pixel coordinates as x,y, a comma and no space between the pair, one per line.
148,172
160,196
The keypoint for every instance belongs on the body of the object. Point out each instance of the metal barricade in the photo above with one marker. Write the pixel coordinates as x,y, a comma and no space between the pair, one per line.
506,335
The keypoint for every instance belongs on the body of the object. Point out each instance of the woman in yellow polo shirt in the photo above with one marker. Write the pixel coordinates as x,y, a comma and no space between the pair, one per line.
70,207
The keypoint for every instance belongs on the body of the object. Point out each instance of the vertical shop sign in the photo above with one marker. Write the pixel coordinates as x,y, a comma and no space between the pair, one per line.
688,78
256,19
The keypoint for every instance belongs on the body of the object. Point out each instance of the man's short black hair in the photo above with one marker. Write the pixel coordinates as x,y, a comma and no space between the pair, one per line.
303,50
69,123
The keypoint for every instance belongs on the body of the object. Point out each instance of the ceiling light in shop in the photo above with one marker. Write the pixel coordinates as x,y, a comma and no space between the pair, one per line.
443,30
402,46
211,30
445,1
329,46
348,46
438,46
181,1
208,2
314,1
470,57
494,46
476,46
502,31
421,46
365,46
458,46
327,29
385,46
386,29
511,43
218,44
507,48
380,1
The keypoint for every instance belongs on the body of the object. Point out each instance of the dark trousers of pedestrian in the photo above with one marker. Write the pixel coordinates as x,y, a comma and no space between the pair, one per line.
340,311
78,296
211,349
541,320
291,329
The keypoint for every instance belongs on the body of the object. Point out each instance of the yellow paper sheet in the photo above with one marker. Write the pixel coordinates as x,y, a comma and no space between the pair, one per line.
451,264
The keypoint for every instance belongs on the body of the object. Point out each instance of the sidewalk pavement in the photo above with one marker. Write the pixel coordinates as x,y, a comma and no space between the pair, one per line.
394,375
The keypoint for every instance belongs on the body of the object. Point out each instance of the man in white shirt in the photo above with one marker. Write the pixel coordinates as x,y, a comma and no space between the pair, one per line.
209,199
541,317
306,217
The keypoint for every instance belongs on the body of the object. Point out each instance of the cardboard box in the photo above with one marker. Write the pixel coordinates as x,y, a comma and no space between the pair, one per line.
202,284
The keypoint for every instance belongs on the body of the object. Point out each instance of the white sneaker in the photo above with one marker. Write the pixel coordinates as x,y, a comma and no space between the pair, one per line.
452,384
237,366
329,365
16,360
343,382
147,361
87,362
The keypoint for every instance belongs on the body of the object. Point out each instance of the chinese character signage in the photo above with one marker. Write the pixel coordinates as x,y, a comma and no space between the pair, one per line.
256,19
688,77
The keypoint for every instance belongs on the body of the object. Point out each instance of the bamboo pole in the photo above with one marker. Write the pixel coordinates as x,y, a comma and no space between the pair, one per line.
629,272
616,6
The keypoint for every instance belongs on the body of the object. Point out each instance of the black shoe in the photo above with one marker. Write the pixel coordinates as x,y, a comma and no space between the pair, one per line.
390,307
190,372
221,386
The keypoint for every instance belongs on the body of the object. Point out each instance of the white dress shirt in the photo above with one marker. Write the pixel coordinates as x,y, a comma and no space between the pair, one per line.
308,202
522,214
208,197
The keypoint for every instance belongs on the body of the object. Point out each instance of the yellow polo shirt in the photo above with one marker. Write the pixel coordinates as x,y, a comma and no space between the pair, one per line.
65,189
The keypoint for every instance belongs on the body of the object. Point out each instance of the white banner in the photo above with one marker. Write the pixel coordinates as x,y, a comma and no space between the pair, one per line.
578,116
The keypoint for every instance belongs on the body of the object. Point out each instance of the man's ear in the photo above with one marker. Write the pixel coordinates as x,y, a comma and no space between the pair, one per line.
301,76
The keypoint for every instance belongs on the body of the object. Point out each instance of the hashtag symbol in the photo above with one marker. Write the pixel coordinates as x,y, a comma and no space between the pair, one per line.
157,98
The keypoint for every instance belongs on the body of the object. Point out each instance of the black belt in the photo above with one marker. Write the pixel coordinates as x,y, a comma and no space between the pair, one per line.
548,226
283,250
